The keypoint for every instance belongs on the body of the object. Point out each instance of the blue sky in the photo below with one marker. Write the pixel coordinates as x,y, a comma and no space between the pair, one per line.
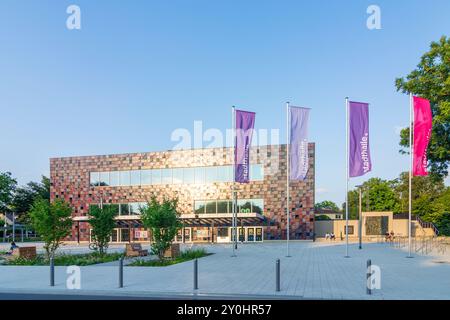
137,70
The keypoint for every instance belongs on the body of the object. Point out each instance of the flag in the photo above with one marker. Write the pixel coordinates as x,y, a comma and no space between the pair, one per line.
359,156
422,133
245,123
298,152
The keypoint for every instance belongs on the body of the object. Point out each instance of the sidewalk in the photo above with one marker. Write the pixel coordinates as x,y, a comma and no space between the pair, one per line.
315,271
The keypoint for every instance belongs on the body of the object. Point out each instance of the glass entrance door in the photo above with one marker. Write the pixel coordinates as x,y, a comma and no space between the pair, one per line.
125,235
250,234
259,234
114,236
241,234
187,235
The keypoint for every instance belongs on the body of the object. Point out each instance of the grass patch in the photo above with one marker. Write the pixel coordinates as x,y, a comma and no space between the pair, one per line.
187,255
66,259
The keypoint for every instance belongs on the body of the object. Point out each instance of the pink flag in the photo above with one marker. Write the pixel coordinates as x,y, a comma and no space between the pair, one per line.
422,133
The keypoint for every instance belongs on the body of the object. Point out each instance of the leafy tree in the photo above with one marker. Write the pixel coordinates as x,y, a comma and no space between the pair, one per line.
322,217
25,196
424,191
431,80
327,205
163,220
377,195
52,221
102,223
7,187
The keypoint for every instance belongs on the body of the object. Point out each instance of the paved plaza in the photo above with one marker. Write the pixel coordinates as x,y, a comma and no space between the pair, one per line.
314,271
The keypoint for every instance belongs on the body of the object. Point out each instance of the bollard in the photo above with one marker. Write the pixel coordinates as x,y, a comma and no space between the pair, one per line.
52,272
368,275
277,275
121,273
195,274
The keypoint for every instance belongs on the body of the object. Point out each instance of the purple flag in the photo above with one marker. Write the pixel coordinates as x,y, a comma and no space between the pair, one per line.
245,122
298,152
359,157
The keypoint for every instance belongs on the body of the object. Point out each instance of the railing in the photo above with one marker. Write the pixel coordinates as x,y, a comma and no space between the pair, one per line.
430,225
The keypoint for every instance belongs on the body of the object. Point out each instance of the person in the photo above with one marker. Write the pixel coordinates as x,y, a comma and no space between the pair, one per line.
327,236
333,236
13,246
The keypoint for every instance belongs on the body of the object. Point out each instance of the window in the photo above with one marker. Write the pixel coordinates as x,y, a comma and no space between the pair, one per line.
258,206
146,177
124,209
95,178
124,178
189,175
114,178
224,174
177,176
166,176
244,206
256,172
135,178
156,176
104,178
199,175
199,207
222,207
211,207
210,174
134,208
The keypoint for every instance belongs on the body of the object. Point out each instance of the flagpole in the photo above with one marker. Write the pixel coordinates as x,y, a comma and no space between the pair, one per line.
287,179
233,206
346,176
411,150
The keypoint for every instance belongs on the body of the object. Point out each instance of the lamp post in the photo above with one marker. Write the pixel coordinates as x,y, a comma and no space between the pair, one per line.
360,216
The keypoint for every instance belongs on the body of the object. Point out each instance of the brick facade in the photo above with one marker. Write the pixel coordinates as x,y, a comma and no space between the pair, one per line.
70,181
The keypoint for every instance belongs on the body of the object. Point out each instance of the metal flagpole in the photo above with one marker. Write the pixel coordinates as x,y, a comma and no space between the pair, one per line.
287,179
233,196
411,149
346,177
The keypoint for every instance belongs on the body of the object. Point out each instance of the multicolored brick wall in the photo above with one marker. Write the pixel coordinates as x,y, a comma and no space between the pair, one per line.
70,181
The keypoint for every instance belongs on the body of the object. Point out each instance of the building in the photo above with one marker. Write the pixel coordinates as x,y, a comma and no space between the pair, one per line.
201,179
328,214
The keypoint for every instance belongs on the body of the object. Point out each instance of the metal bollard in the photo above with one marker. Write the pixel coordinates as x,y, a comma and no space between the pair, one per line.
195,274
52,272
277,275
121,273
368,275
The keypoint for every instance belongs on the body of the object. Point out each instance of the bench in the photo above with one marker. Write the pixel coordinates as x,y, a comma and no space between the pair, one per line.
24,252
135,250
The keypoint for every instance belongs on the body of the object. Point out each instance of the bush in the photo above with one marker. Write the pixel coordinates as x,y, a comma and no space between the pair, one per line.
187,255
67,259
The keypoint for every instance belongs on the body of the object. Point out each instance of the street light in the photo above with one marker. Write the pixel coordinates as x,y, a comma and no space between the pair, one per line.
360,216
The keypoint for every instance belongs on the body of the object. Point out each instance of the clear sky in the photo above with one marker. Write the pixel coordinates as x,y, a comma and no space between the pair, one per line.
137,70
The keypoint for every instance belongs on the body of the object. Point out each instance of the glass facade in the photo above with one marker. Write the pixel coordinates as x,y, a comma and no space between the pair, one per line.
195,175
123,209
225,206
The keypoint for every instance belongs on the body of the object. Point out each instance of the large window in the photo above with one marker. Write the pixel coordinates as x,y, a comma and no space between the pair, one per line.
123,209
226,206
195,175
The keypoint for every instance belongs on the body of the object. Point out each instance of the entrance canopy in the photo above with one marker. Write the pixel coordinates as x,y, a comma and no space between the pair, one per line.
192,220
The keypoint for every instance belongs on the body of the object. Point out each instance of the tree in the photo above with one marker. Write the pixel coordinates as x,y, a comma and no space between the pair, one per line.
330,205
377,195
424,192
25,196
53,222
431,80
163,220
102,223
7,187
